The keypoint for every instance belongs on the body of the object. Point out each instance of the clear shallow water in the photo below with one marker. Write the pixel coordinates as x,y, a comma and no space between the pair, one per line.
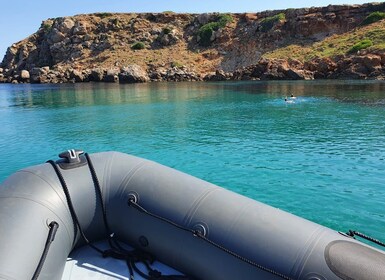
321,157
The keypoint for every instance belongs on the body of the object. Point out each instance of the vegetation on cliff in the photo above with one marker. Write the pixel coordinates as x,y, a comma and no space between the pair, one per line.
361,45
373,17
138,46
370,37
206,31
268,23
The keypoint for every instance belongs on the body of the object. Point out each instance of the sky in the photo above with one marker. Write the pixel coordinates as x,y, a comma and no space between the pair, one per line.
21,19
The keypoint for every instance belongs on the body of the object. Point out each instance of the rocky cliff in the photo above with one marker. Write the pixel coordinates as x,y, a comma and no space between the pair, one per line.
326,42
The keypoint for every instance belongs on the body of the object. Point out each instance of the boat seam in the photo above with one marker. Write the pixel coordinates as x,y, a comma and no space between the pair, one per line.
194,208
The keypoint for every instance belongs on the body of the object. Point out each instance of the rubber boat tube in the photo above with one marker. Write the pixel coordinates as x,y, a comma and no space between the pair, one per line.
32,198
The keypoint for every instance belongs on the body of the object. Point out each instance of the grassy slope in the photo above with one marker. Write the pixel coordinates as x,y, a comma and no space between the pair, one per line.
335,44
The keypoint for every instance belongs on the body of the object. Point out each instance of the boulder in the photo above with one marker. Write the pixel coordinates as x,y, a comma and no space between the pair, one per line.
370,61
35,75
204,18
155,76
45,69
157,73
65,25
79,29
24,75
278,69
324,65
156,31
56,36
295,74
133,74
77,76
96,75
177,74
40,75
170,38
219,75
111,76
58,51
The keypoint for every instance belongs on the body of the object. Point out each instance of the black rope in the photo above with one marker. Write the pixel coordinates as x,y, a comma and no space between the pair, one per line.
198,234
137,270
112,240
141,209
98,191
75,218
53,226
116,250
130,269
353,233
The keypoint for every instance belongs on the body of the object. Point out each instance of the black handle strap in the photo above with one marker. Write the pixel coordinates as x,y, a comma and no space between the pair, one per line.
53,226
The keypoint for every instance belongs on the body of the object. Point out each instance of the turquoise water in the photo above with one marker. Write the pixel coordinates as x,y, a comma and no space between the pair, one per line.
321,157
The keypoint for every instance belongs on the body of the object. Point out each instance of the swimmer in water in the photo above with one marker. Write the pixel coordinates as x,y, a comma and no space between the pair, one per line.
292,96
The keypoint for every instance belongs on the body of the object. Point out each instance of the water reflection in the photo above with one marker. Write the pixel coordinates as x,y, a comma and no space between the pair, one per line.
88,94
55,96
365,92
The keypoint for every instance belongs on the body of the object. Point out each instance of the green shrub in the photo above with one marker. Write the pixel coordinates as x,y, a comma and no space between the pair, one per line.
205,31
166,30
268,23
224,19
176,64
103,15
47,27
361,45
138,46
373,17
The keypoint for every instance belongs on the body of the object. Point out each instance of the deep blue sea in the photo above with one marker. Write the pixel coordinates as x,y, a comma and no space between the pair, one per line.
321,157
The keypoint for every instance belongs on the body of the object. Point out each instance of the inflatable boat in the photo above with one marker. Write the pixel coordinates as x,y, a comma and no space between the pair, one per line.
138,212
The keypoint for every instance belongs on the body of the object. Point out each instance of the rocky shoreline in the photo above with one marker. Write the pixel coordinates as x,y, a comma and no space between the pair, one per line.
138,48
362,66
129,74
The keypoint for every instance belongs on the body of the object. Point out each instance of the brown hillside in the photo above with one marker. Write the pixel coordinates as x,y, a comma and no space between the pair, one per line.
169,46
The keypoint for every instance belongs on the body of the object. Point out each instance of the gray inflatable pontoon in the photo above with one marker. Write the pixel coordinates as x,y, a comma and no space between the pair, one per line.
204,231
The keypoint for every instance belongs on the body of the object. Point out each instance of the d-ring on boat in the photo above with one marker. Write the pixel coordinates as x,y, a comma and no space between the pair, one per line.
48,211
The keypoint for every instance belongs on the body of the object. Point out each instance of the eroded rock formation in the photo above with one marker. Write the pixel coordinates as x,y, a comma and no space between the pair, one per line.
130,48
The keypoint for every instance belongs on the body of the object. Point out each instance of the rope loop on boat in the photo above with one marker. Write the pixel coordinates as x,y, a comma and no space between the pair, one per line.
353,233
75,218
53,226
98,190
198,234
115,251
